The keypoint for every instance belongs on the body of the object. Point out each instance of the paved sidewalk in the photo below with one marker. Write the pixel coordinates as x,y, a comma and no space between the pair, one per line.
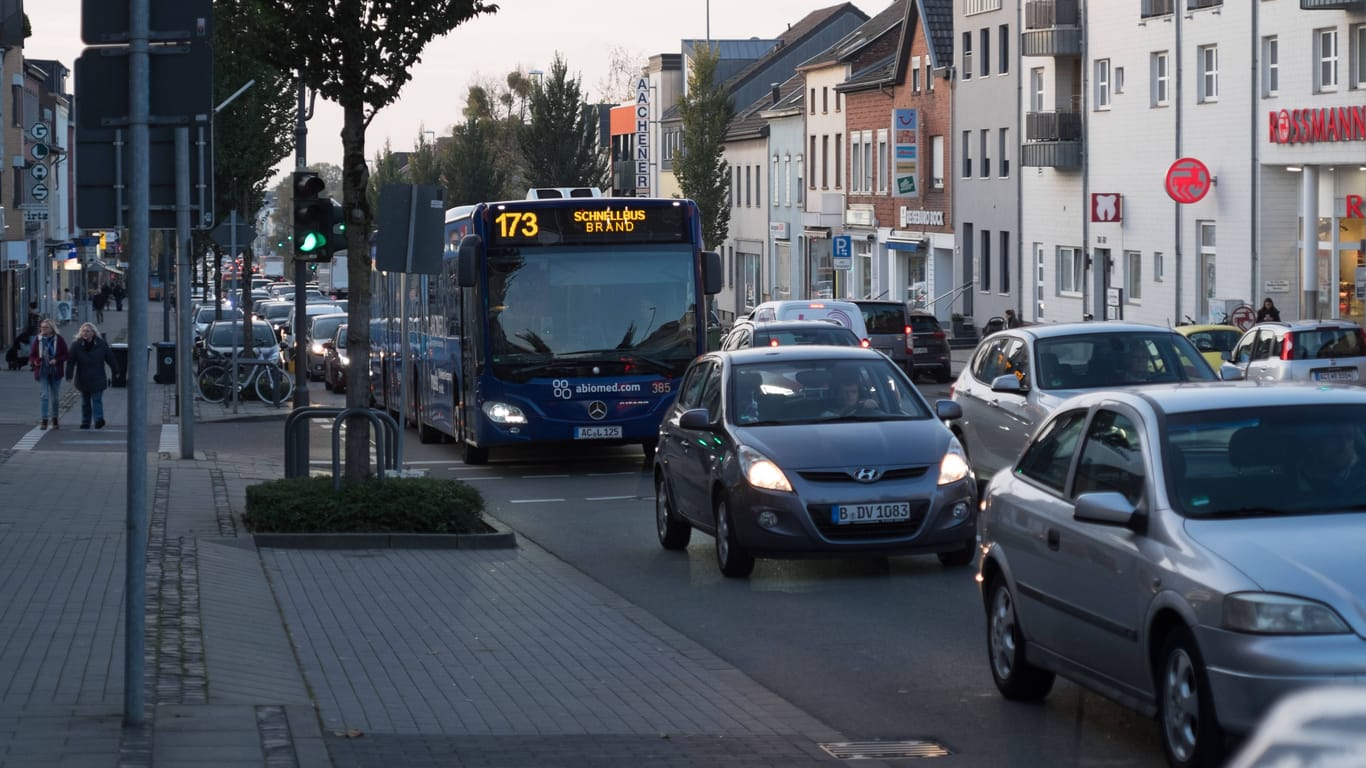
278,657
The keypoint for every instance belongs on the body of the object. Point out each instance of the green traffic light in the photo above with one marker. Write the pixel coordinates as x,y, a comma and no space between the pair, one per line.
312,241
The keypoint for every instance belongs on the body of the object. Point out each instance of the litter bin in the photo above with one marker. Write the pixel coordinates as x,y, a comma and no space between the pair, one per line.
121,357
165,362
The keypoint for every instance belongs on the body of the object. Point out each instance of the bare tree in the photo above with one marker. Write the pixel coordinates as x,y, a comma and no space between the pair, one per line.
618,86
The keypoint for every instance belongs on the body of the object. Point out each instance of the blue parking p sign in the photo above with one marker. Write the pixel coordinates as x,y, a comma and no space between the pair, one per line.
843,252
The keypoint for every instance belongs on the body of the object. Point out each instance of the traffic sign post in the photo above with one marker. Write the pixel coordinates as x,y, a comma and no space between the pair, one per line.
1243,317
843,246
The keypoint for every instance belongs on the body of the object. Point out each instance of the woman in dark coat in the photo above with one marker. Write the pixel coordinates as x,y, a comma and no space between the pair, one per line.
88,357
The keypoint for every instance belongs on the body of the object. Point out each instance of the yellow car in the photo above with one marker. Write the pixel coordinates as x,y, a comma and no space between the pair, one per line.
1215,342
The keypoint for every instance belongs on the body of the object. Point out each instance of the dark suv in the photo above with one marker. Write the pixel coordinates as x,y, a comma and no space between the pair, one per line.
931,346
889,331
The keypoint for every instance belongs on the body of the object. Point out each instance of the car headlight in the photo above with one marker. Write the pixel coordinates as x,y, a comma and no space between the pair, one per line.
316,348
504,413
760,471
1264,613
344,360
954,466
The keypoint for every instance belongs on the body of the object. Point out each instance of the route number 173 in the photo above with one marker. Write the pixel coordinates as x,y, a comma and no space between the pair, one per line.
517,224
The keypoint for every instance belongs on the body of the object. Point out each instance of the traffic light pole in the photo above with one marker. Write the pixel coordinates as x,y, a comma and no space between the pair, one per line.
301,275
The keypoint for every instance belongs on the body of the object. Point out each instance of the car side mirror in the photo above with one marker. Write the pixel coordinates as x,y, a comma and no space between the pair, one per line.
696,418
1230,372
1008,383
947,410
329,345
1104,507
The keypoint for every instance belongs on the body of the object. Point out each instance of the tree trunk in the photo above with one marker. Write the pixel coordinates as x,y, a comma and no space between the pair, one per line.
356,210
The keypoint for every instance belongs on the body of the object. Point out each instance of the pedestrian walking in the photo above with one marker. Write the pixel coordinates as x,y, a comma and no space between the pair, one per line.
47,357
35,318
85,367
120,293
97,303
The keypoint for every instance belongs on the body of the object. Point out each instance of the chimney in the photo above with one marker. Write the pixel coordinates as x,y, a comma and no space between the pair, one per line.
776,92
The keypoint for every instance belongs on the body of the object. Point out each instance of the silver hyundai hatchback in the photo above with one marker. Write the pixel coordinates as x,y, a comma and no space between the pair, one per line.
1192,552
1321,351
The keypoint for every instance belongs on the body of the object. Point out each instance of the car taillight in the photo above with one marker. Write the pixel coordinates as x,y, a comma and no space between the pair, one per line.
1288,346
940,335
910,341
864,343
773,342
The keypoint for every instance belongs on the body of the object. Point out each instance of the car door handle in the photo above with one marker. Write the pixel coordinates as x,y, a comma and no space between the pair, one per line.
1053,539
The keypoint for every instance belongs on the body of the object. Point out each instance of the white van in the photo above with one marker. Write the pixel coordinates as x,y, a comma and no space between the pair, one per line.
846,313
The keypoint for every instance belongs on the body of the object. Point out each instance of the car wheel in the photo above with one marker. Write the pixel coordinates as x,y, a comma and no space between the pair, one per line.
1016,678
673,532
1191,735
733,560
649,447
958,558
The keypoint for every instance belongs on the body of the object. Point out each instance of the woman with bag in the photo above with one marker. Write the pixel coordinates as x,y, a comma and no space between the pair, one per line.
89,356
47,357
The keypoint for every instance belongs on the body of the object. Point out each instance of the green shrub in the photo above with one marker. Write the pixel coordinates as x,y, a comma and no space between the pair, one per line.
396,505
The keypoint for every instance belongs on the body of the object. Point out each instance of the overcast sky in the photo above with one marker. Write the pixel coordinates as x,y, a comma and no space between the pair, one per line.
523,33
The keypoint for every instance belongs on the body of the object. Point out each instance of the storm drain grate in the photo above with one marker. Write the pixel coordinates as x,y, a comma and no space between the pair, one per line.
884,750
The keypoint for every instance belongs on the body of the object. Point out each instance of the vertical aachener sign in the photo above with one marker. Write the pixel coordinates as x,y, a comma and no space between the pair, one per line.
643,136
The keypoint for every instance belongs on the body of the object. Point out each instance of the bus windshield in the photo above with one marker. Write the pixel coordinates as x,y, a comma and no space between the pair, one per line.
606,312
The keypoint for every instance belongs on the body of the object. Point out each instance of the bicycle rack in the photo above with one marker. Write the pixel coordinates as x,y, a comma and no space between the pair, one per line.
388,449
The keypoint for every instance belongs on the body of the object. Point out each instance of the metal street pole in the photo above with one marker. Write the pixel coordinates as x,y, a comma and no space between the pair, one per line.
184,334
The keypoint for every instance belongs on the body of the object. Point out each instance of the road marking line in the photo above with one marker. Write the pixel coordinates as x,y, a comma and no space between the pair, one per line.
610,498
29,440
534,501
543,477
170,439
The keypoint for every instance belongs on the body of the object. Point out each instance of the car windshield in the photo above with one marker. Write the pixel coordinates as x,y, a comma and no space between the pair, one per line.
923,324
773,392
1214,340
207,315
230,334
884,318
326,327
1100,360
1304,459
277,311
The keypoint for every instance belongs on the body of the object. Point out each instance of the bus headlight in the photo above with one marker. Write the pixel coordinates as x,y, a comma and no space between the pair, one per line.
504,413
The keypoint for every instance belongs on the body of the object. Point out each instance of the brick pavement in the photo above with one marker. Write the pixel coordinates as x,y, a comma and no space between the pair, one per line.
282,657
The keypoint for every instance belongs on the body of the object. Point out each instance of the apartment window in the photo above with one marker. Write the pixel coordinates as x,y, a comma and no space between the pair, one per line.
967,56
1119,80
1102,83
1005,262
1003,50
915,74
758,186
1359,56
788,175
937,161
1069,271
986,155
1271,66
839,156
1207,57
1005,152
1326,56
773,183
984,260
883,177
865,178
812,182
813,101
1036,89
839,101
1133,276
735,188
967,154
825,161
929,78
856,162
801,188
1157,267
749,186
1161,79
825,99
984,56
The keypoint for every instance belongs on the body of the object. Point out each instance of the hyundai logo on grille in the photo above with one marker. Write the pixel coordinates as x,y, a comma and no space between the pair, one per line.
867,475
597,409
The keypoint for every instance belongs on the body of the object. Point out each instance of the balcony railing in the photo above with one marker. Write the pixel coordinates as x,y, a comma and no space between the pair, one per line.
1046,14
1153,8
1333,5
1053,126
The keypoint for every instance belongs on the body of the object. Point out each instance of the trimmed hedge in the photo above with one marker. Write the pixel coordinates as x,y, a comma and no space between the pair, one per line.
397,505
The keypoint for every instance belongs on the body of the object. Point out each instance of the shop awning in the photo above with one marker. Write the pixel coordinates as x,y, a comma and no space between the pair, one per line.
112,268
905,245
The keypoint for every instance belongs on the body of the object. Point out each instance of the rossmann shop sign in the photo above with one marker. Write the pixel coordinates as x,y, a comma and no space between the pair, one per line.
1318,125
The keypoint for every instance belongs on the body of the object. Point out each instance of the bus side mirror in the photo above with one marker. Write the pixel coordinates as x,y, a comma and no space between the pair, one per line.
467,272
711,272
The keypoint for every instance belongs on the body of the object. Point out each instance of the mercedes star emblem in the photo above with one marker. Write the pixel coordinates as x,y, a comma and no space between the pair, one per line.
597,409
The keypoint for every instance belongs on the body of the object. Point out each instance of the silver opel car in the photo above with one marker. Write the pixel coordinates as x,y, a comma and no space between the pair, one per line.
1191,551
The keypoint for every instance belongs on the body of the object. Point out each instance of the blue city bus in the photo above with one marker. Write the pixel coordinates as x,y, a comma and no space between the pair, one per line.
576,319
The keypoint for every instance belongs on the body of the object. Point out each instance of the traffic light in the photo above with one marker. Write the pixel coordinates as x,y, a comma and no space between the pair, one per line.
313,217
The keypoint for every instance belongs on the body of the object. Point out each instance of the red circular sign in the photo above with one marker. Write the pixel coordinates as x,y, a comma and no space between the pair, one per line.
1243,317
1187,180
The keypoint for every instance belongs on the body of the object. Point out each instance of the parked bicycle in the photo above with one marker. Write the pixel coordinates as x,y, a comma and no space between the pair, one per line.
266,378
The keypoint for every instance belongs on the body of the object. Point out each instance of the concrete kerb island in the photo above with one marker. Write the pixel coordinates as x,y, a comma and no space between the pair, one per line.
499,537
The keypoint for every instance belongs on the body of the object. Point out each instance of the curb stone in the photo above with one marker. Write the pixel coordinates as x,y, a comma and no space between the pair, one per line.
498,537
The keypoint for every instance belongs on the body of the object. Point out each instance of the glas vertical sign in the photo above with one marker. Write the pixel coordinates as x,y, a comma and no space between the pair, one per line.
642,159
906,153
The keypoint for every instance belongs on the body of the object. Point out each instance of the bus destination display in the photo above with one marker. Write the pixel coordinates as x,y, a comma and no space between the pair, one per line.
586,224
